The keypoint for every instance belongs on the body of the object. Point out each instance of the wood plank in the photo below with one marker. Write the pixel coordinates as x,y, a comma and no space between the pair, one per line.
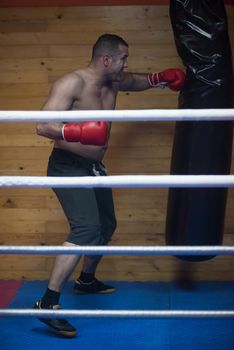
17,230
165,129
23,51
124,229
123,102
23,77
23,141
132,152
112,24
67,64
39,13
54,232
22,128
21,214
146,102
148,51
24,89
52,38
41,89
23,202
79,12
159,264
118,139
23,167
122,276
23,26
112,263
22,153
133,214
34,214
22,192
19,263
139,199
16,104
37,47
123,166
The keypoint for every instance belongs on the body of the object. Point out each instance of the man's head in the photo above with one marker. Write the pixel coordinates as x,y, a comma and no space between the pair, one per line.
107,44
111,53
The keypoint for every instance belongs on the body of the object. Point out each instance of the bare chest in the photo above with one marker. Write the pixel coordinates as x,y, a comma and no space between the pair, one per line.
96,98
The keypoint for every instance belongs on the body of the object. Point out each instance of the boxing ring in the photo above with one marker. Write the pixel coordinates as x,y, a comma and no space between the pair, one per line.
127,181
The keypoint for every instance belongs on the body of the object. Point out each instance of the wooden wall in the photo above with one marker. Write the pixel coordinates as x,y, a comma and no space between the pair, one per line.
37,45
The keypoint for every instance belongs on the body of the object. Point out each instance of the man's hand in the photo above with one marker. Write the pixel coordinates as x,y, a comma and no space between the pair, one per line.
173,78
87,133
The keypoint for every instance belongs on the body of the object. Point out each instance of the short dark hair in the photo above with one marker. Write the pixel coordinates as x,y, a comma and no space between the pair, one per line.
107,44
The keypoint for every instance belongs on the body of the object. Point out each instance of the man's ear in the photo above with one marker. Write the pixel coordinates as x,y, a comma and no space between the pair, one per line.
106,60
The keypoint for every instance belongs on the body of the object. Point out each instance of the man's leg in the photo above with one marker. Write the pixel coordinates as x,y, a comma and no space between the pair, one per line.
80,207
90,263
87,283
63,267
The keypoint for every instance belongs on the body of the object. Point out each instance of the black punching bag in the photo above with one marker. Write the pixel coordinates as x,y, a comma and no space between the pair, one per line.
195,216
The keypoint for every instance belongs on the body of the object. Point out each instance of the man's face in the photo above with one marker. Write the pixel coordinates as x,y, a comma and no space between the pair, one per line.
118,62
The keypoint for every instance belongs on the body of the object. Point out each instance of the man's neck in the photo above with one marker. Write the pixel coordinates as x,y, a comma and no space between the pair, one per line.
98,74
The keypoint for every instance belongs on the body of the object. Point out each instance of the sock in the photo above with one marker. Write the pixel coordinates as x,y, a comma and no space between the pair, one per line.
86,277
50,298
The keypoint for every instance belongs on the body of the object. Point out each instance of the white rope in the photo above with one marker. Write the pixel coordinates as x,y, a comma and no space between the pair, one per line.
114,250
116,313
120,181
119,115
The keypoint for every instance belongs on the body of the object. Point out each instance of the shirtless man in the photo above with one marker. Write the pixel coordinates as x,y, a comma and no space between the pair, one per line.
78,151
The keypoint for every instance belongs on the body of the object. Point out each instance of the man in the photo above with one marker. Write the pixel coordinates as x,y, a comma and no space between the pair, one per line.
78,151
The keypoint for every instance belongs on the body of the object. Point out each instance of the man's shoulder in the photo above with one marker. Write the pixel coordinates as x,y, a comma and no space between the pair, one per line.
73,78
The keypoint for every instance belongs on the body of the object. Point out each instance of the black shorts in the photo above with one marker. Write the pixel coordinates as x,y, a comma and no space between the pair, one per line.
90,211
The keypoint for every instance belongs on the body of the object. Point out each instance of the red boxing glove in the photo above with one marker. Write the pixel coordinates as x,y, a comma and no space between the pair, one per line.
172,77
87,133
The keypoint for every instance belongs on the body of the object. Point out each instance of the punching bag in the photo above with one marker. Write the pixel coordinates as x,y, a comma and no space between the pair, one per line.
195,216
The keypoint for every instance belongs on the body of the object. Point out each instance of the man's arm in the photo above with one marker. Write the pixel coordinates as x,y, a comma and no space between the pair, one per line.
134,82
61,98
173,78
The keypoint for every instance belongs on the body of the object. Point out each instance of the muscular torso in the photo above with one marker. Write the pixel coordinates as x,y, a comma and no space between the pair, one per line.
93,97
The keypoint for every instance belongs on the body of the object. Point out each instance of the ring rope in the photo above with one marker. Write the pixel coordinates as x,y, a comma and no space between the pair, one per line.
119,181
120,115
116,313
114,250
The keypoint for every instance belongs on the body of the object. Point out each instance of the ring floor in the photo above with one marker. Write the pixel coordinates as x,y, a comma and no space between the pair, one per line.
125,333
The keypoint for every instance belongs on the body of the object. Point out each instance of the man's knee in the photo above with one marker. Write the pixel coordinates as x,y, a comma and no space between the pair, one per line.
85,235
109,230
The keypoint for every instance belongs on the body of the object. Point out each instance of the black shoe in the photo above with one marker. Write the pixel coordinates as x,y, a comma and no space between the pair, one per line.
92,287
58,325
